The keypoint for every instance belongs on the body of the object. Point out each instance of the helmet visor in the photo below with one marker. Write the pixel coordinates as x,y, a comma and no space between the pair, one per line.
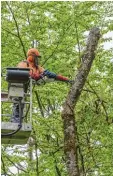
36,60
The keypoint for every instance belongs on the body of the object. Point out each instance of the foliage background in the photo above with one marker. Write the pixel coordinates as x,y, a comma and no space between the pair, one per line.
61,29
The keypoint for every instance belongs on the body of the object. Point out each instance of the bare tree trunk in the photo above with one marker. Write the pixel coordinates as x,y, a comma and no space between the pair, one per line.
68,116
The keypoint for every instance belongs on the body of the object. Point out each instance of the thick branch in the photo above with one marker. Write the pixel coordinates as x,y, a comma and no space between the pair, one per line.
83,71
70,132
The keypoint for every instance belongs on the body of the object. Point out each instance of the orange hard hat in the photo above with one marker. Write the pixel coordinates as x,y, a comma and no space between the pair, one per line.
33,52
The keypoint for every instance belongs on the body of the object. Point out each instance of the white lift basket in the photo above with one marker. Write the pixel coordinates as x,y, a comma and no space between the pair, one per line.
19,92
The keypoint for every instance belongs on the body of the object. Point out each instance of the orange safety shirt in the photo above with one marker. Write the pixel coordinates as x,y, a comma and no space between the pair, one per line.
29,63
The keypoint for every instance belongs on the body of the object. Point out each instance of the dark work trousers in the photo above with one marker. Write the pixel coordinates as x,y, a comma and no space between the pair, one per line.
15,114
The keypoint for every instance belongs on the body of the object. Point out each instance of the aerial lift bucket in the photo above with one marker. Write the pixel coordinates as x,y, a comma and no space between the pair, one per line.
20,92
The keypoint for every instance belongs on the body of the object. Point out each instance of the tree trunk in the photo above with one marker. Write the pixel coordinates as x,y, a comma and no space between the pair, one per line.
68,116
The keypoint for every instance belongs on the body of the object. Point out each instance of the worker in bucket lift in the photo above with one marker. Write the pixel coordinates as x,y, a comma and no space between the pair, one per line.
37,72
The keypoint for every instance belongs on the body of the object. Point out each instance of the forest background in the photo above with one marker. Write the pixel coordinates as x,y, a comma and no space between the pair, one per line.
61,29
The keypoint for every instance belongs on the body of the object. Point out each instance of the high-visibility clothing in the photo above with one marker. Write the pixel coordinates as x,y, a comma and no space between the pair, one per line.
38,72
34,71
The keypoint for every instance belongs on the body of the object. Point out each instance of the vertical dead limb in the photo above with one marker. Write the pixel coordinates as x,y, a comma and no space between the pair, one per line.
68,116
37,162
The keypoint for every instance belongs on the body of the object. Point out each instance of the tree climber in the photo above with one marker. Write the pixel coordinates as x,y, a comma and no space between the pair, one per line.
37,72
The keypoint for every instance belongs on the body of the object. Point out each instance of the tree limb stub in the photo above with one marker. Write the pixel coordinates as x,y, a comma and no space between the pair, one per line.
70,132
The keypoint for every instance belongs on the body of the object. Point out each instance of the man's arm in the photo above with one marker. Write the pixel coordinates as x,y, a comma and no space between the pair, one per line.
55,76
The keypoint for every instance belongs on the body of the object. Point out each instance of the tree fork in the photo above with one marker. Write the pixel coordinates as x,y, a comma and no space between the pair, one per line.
68,116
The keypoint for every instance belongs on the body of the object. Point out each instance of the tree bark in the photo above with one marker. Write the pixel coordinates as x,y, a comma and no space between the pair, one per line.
68,116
